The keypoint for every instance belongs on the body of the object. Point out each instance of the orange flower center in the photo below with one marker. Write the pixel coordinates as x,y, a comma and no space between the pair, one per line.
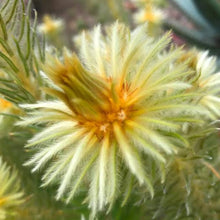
117,111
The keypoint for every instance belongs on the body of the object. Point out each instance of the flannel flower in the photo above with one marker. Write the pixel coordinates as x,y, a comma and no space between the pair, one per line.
119,107
10,195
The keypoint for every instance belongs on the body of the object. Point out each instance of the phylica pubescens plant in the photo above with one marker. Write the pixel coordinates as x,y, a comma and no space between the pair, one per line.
123,101
126,103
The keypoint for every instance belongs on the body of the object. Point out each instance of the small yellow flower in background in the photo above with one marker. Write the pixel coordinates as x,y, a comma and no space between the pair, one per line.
10,194
53,30
148,14
8,114
119,105
50,25
4,105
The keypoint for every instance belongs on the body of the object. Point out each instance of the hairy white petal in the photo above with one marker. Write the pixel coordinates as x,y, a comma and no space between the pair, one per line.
53,131
132,158
148,148
93,190
154,137
115,47
102,171
79,179
57,168
113,175
56,105
98,50
40,119
79,153
154,51
46,154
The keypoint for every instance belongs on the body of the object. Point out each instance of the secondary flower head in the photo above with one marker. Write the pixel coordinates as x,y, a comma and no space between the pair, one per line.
4,105
148,14
120,105
10,195
205,79
50,25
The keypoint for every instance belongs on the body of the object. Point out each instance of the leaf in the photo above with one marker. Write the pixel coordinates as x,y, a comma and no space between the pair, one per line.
204,40
9,62
190,10
3,28
210,10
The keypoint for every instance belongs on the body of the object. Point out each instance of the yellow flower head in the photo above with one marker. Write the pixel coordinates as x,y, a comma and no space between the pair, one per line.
10,195
148,14
120,104
4,105
50,25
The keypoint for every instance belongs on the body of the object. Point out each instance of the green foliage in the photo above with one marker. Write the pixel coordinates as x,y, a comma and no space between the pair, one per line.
205,16
20,55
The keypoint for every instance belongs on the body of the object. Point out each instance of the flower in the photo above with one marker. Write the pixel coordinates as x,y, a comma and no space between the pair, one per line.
50,25
10,194
119,106
205,79
209,83
149,14
4,105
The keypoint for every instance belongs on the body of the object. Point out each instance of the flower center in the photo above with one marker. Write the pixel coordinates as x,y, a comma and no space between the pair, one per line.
116,111
106,125
97,102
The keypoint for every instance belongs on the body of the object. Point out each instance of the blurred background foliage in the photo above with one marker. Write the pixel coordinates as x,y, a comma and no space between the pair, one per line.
194,21
82,14
204,17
